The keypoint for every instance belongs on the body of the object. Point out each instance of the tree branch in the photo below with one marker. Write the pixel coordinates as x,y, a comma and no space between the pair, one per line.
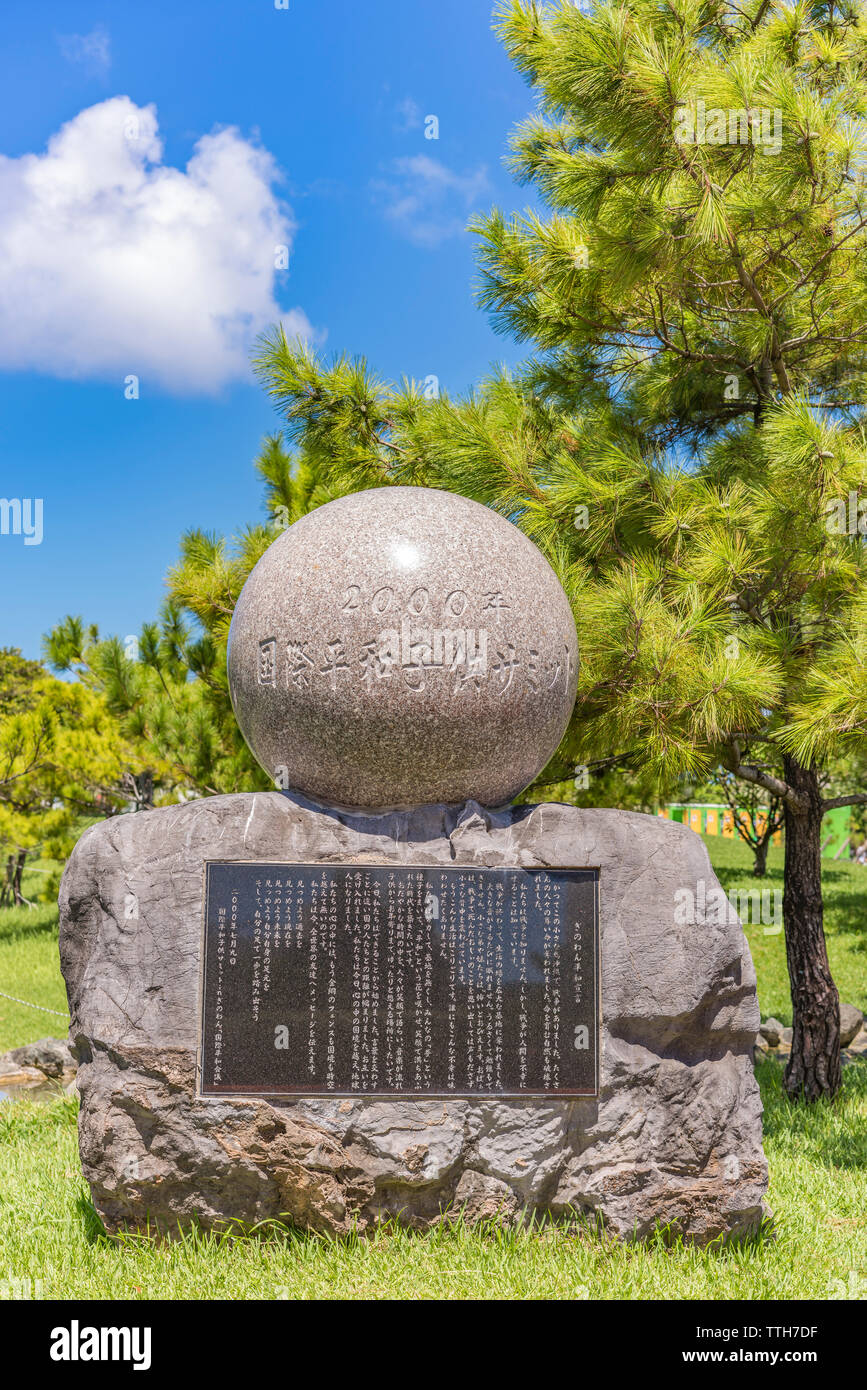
856,799
749,772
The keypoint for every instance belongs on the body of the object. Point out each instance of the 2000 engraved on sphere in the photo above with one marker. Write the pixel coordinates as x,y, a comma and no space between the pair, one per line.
400,646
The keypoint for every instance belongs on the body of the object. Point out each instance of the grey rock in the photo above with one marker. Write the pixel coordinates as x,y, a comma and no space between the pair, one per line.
403,646
772,1031
50,1056
851,1022
858,1046
673,1137
786,1037
12,1074
479,1197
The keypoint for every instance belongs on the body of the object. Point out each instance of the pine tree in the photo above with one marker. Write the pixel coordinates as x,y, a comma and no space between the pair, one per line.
687,442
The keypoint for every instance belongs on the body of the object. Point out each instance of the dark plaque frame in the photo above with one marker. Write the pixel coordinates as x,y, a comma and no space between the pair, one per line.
484,975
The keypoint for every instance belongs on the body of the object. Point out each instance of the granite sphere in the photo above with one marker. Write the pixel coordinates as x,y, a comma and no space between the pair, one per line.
402,646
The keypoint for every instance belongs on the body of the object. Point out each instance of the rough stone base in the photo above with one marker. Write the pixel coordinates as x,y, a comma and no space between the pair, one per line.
673,1138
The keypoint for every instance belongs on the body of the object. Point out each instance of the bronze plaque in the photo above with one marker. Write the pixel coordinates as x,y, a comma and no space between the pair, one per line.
399,980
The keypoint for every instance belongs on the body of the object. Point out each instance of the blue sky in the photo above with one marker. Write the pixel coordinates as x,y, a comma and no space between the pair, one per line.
152,159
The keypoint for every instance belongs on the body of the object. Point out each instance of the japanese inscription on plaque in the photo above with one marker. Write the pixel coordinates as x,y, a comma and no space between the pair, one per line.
427,980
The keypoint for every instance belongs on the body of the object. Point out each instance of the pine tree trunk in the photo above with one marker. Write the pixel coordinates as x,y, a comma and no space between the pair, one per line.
6,892
760,850
814,1066
18,895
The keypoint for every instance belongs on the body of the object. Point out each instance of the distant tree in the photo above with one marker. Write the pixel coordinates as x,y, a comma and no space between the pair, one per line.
63,761
18,678
757,816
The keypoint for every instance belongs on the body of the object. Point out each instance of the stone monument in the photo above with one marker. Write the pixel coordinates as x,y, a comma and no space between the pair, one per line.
381,989
400,647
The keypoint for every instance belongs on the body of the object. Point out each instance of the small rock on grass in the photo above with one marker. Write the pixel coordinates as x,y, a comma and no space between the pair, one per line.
12,1075
772,1031
50,1056
851,1023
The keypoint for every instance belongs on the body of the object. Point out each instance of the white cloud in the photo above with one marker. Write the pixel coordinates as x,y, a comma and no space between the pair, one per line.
408,115
114,263
428,202
93,50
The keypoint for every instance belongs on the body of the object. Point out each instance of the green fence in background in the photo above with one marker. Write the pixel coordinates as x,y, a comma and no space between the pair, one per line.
715,818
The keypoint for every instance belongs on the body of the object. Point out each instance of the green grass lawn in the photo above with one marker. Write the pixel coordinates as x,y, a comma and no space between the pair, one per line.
817,1155
844,887
30,969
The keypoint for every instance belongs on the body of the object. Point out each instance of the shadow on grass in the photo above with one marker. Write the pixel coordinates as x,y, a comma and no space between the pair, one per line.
730,876
846,912
22,923
92,1228
832,1134
495,1237
844,891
